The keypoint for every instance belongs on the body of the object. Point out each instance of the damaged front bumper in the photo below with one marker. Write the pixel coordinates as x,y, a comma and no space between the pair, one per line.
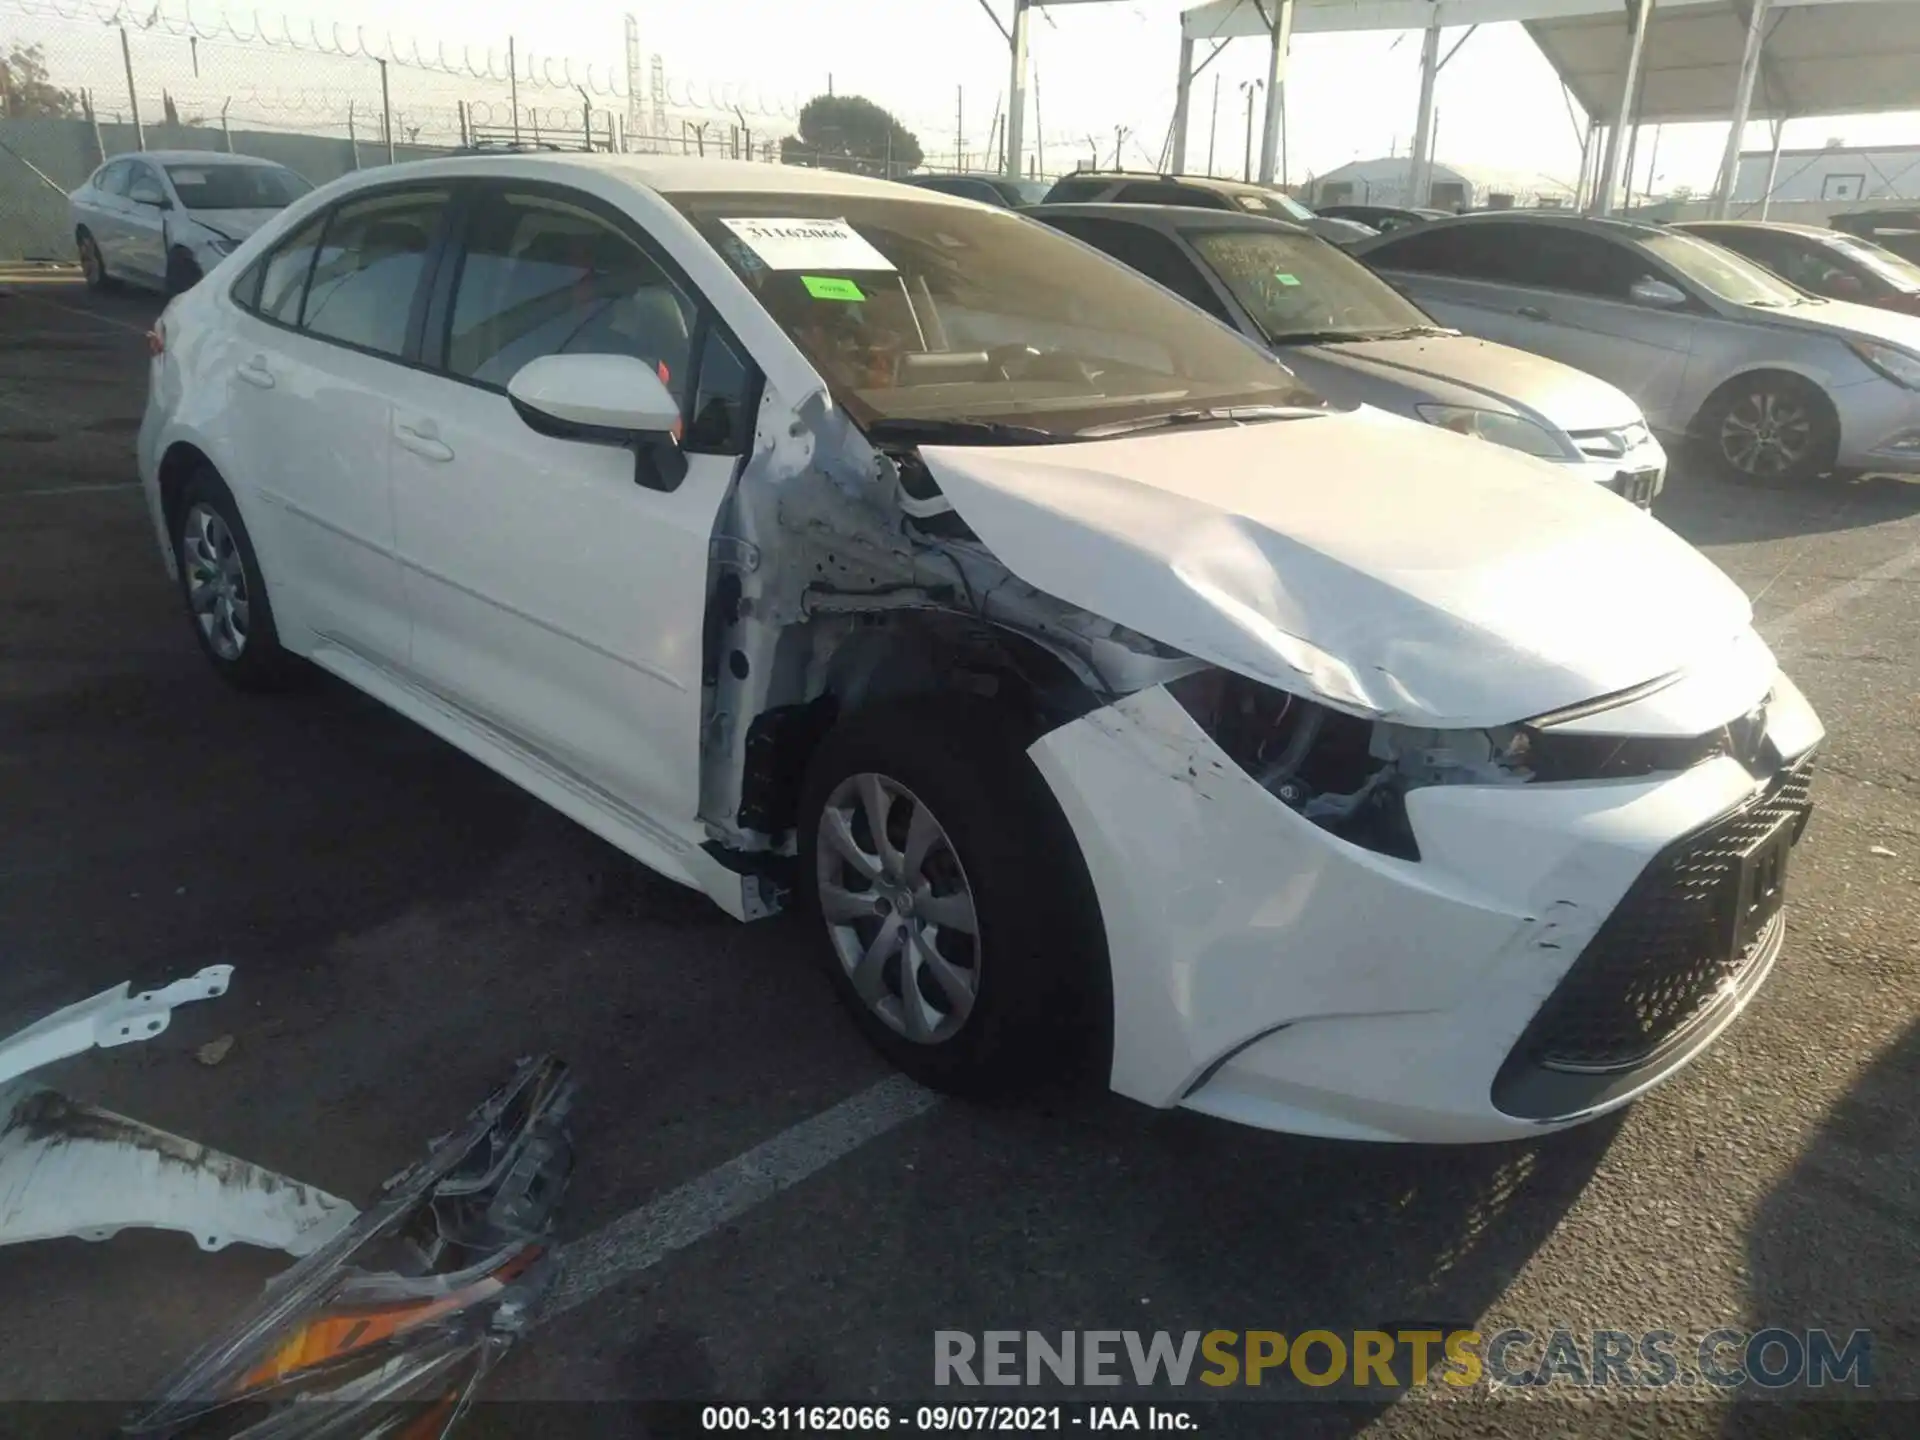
1269,972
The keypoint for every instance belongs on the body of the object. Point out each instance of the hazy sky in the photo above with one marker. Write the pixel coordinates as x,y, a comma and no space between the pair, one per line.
1097,66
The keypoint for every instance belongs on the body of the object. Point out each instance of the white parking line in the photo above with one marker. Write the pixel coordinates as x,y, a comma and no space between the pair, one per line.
1781,633
83,314
642,1238
70,490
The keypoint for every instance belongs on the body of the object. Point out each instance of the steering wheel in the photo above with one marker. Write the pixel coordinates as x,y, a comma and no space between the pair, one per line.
1022,361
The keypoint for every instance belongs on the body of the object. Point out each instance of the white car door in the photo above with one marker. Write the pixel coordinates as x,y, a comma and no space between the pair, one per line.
144,221
315,362
555,593
100,208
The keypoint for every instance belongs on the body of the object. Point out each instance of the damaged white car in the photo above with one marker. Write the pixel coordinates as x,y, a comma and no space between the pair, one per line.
821,541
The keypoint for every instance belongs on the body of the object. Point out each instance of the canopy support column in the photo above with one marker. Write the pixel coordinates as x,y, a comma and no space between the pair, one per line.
1742,103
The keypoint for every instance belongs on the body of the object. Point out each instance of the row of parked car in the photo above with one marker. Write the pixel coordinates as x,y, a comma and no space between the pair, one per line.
1095,688
1787,351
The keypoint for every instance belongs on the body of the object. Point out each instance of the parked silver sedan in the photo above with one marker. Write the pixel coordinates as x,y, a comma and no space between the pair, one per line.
1354,341
1775,383
163,218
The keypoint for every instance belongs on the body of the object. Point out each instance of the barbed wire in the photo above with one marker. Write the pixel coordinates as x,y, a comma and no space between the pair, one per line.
335,40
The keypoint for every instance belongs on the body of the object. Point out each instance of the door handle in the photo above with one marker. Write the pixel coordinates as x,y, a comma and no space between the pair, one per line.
1531,312
255,372
422,443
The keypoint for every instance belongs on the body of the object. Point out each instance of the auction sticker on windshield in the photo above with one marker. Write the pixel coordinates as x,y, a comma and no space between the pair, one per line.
796,244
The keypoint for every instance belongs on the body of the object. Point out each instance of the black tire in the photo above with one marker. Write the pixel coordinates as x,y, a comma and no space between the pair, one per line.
259,663
183,272
93,264
1042,1000
1801,432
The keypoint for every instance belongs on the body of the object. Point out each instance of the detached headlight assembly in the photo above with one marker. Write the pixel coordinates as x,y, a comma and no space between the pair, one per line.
1897,365
1502,429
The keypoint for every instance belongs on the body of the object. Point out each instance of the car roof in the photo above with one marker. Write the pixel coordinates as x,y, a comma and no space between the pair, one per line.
1787,227
196,157
1209,182
668,174
1592,224
1168,217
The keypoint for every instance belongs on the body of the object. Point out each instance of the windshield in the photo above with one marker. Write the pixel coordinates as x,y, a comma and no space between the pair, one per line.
1272,202
1295,286
236,187
917,310
1896,270
1720,272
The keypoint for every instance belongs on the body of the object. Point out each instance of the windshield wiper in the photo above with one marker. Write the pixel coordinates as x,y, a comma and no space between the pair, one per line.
1222,415
919,430
1357,337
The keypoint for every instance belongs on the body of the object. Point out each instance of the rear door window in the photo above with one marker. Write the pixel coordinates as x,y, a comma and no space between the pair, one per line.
540,276
369,268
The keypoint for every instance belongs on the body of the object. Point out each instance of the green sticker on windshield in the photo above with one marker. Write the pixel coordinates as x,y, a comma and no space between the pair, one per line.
1285,279
825,287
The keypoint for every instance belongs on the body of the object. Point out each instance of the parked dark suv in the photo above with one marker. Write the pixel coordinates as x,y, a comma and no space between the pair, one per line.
1204,192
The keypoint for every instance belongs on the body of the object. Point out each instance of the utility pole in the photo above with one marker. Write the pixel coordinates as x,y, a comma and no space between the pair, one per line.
1213,128
1039,163
1120,133
1251,88
513,86
133,99
386,112
1017,91
960,128
225,133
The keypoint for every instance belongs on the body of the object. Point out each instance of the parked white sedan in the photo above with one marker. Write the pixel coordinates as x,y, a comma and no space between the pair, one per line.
816,539
163,218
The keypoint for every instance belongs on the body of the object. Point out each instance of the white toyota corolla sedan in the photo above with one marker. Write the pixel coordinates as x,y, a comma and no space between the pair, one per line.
824,541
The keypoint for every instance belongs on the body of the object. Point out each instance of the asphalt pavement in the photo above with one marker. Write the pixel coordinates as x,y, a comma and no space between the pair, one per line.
404,925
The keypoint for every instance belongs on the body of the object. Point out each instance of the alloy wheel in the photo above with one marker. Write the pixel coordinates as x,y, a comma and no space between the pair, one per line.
1767,432
898,908
216,581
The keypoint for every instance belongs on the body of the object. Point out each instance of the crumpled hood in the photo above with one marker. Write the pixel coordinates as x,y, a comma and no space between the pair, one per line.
1569,398
1379,564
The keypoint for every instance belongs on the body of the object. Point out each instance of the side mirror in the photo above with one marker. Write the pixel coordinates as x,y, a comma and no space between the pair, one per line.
604,400
1656,294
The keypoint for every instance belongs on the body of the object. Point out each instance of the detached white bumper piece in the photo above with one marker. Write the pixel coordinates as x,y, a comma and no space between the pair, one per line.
69,1170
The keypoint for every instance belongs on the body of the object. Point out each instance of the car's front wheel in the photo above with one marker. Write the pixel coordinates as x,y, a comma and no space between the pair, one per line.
1770,429
960,926
220,581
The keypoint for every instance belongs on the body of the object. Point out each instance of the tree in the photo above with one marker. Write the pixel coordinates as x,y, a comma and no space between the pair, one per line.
848,132
25,89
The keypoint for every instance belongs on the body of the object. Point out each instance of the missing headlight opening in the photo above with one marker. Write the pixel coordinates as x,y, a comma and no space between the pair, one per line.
1350,775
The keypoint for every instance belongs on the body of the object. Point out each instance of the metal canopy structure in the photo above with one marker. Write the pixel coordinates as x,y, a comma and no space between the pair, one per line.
1818,57
1625,61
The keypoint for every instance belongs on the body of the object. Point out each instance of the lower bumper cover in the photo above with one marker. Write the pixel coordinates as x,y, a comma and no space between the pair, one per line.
1266,972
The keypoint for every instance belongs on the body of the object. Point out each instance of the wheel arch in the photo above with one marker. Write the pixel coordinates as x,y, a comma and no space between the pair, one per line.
1696,427
890,657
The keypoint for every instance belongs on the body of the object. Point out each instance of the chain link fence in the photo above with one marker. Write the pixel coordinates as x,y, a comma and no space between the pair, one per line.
82,80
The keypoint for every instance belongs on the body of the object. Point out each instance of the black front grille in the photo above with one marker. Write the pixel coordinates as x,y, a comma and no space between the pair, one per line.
1661,958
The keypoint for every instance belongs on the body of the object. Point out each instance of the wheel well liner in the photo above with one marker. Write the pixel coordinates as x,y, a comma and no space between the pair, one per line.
177,466
893,656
